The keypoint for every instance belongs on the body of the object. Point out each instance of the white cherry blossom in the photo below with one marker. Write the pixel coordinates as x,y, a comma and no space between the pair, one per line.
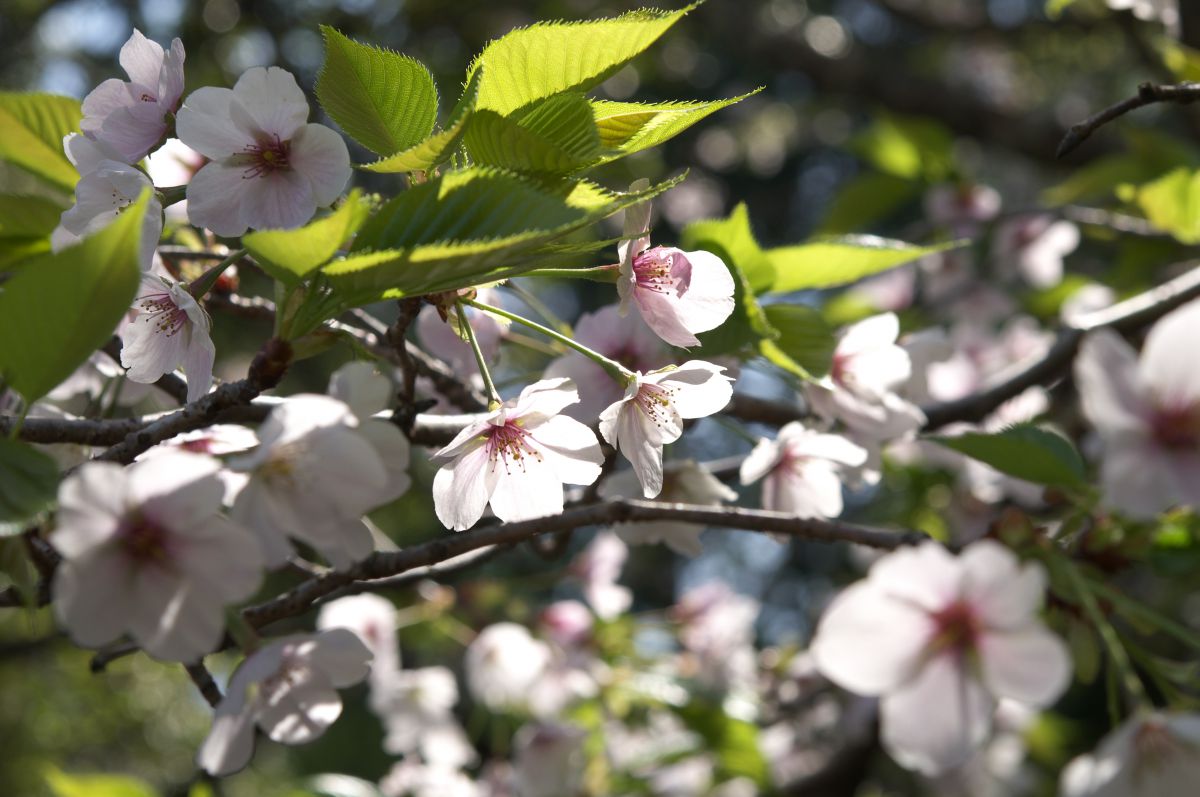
147,553
516,459
677,293
684,481
414,778
653,410
368,393
170,330
373,620
549,759
1034,246
802,470
106,187
1147,413
598,567
417,709
287,688
504,663
940,639
269,167
1150,755
133,116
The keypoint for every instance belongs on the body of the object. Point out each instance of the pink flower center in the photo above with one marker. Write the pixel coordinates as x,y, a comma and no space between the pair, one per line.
509,444
1176,426
655,402
265,157
143,540
160,309
1154,745
956,628
661,270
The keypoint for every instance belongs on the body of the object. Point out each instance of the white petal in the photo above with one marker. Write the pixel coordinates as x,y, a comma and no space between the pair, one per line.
701,388
523,491
281,199
360,385
342,656
571,449
91,596
215,197
273,100
1111,391
1005,594
91,505
460,491
708,300
320,155
229,746
760,461
203,123
1168,362
1029,664
142,59
663,315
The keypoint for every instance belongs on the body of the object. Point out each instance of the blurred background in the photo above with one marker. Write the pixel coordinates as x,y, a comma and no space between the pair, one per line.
981,90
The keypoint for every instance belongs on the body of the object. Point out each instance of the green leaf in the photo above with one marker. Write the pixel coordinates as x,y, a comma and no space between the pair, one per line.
27,216
1028,452
839,261
465,228
805,341
64,785
1151,155
734,741
1054,8
28,485
629,127
531,64
865,200
32,128
1172,203
911,148
733,237
555,136
438,147
384,100
63,306
290,255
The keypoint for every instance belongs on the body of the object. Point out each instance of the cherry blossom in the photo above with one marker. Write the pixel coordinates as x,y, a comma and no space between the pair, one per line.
1035,247
684,481
801,470
1147,413
598,567
417,709
626,340
549,759
312,477
504,664
174,164
962,207
440,339
678,293
414,778
269,168
867,369
169,330
516,459
287,688
717,628
941,639
133,116
1150,755
373,620
368,393
106,187
146,552
653,410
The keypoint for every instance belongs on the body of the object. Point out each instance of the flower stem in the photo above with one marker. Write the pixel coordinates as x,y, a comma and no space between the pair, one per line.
244,634
493,396
608,274
172,194
204,283
539,307
614,368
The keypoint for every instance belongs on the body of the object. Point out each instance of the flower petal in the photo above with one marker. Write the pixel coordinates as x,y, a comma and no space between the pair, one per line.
321,156
1029,664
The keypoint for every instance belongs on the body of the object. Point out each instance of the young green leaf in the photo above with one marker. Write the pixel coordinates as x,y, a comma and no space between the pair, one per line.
28,485
911,148
556,136
290,255
439,146
58,308
531,64
629,127
63,785
1172,203
840,261
32,128
27,216
384,100
733,237
1028,452
805,340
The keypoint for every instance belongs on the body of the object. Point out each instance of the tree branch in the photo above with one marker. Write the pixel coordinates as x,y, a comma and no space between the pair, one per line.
1148,94
203,680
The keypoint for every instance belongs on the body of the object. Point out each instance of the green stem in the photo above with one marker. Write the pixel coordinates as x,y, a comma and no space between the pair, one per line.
1108,635
244,634
1144,613
608,274
204,283
539,307
171,195
617,371
493,396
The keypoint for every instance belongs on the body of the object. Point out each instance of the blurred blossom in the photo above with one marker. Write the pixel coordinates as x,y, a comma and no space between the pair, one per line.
567,623
373,620
504,664
1147,412
1149,755
962,207
173,164
549,760
598,567
1089,298
801,470
941,639
413,778
1034,246
1165,11
417,709
441,339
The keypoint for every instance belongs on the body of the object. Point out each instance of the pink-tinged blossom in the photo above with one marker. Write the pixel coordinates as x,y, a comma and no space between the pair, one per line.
1034,247
802,470
169,330
441,339
867,370
516,459
312,477
174,164
652,412
1150,755
147,553
717,629
414,778
269,168
417,709
105,189
962,207
678,293
626,340
567,623
287,688
373,620
133,116
598,567
684,482
549,760
940,639
504,664
368,393
1147,413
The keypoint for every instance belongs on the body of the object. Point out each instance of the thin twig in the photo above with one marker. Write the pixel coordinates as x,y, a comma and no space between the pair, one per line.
203,680
1147,94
